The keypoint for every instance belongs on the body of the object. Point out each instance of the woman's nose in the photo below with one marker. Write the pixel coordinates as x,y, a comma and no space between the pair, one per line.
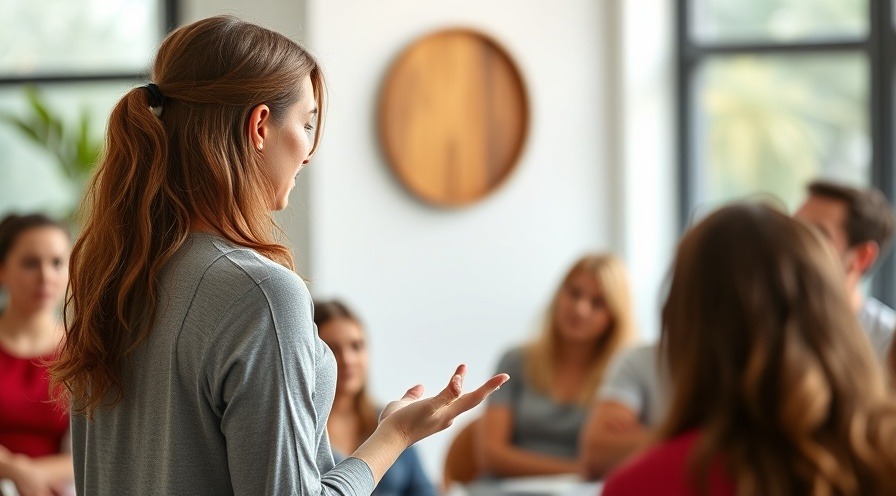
45,273
583,306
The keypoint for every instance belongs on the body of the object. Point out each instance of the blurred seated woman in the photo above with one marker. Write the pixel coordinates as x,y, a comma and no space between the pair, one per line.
34,451
532,424
775,389
354,416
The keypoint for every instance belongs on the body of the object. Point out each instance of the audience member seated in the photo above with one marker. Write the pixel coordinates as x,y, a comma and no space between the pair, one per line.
354,416
630,405
774,389
858,223
532,425
34,446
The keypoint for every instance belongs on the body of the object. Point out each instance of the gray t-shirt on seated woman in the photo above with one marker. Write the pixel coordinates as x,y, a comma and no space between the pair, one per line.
229,394
633,379
540,424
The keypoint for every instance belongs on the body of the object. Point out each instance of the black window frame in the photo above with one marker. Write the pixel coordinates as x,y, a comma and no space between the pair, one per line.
879,47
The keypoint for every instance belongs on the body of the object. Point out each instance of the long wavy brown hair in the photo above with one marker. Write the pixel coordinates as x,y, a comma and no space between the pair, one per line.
161,176
609,271
768,361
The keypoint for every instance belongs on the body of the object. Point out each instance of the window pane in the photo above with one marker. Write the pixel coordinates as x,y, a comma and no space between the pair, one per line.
78,37
733,21
31,177
772,123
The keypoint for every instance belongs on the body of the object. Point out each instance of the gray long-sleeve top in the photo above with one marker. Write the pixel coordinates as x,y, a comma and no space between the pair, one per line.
229,394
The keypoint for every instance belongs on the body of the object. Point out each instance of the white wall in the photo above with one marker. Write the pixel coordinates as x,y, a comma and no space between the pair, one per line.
284,16
645,141
438,287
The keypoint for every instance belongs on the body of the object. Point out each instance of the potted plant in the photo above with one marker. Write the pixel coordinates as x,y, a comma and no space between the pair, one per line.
72,144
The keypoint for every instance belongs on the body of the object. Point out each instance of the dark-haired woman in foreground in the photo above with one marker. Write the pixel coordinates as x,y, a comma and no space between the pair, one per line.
776,391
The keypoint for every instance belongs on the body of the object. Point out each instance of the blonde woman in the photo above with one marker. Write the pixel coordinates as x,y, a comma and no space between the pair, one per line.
775,389
532,425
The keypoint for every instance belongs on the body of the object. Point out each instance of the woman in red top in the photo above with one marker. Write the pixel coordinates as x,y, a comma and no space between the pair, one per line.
776,390
33,273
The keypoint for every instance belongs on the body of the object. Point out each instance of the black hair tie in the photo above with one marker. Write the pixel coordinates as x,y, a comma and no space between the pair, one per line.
156,99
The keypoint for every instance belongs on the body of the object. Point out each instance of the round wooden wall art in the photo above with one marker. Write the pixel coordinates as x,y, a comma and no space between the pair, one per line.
453,117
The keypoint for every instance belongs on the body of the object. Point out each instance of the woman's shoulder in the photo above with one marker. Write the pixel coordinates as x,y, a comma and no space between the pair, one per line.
514,356
230,302
211,285
225,268
513,361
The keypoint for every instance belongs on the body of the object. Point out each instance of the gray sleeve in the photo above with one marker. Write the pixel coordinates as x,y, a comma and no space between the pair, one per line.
262,381
623,382
511,363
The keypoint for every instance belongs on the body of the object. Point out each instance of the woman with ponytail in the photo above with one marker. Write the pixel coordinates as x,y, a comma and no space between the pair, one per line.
191,364
775,389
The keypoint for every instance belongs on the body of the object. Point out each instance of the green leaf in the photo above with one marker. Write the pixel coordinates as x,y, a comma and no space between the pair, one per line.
71,144
88,150
24,127
35,99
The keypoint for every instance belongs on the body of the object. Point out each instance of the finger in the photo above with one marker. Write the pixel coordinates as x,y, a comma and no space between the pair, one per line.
455,385
473,398
413,394
461,373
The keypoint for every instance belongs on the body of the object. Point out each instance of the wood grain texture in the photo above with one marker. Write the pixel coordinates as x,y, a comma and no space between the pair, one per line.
453,117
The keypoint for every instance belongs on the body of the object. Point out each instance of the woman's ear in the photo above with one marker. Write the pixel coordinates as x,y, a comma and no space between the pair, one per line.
259,122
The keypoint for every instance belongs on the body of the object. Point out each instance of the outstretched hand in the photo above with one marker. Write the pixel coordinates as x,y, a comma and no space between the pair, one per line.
419,418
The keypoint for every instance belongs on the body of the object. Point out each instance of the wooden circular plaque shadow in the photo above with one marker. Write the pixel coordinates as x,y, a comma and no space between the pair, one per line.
453,117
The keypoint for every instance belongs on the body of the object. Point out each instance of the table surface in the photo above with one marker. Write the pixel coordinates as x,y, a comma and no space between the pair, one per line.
530,486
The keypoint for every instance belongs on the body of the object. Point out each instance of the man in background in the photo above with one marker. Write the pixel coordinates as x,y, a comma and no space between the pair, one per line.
859,224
